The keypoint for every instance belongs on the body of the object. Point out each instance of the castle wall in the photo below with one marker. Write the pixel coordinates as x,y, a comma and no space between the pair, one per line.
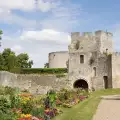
116,70
88,42
91,45
58,59
102,66
106,42
79,71
35,83
85,42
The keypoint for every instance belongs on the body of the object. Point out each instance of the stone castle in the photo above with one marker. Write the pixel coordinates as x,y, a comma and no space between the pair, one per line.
92,63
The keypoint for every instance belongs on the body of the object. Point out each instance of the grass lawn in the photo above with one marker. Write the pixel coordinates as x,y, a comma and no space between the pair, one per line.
86,109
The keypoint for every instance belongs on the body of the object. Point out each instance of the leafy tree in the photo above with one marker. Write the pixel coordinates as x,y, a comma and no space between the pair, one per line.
1,62
9,61
22,61
46,65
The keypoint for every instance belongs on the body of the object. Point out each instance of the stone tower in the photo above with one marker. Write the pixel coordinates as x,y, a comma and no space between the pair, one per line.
90,60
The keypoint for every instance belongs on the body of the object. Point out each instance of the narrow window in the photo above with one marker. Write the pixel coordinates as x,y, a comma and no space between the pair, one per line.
81,58
94,69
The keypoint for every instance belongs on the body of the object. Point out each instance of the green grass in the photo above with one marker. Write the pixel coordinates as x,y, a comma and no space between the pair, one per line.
86,109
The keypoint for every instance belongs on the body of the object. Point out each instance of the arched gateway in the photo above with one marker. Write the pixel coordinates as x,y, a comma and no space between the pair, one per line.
80,84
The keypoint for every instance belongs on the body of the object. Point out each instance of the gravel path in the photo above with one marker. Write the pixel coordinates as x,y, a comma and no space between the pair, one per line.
108,110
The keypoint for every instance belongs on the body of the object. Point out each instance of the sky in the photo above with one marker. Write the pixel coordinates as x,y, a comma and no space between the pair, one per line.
38,27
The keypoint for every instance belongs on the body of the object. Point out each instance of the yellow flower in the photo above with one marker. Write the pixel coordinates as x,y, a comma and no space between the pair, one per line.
27,115
22,115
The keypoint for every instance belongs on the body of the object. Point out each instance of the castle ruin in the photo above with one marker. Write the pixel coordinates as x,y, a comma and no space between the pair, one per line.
92,63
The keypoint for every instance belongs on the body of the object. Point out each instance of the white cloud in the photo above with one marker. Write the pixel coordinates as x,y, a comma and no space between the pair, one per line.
64,17
45,6
26,5
6,16
38,44
16,48
46,35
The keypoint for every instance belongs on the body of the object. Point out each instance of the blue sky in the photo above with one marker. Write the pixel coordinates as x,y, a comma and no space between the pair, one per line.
42,26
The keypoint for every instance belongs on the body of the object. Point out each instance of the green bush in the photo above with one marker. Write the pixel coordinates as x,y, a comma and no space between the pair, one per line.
38,112
4,104
8,116
44,70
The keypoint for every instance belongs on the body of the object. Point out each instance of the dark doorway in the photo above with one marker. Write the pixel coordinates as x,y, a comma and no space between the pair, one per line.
81,58
81,84
105,81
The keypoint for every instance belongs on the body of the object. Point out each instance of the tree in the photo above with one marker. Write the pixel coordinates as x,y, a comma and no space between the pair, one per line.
9,61
46,65
1,62
23,61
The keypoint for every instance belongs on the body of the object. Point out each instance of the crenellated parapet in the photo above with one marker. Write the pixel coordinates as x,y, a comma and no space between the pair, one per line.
99,33
77,35
97,41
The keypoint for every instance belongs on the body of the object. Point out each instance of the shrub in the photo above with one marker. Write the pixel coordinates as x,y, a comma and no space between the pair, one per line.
38,112
4,105
1,90
44,70
8,116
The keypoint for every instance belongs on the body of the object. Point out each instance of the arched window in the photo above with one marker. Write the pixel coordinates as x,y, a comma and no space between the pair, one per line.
94,70
81,58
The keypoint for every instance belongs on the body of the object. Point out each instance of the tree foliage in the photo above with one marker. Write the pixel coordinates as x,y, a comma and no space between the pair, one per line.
9,60
46,65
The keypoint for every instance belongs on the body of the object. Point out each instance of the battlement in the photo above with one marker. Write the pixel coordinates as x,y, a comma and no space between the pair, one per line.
99,33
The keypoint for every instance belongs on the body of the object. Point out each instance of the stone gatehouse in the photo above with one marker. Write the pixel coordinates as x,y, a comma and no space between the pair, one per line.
92,63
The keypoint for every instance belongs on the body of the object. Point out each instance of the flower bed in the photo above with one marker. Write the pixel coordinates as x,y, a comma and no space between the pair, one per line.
25,106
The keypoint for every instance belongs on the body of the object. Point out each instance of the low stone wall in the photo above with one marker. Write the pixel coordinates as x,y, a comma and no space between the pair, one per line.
35,83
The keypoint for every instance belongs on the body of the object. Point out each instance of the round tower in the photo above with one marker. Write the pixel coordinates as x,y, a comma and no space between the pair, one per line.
58,59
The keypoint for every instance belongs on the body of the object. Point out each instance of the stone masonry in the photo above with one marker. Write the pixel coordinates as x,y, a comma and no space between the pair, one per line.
92,63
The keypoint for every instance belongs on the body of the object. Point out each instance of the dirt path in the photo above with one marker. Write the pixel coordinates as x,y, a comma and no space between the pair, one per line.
108,110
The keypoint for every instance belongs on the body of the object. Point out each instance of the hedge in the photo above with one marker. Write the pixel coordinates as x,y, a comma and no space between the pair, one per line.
44,70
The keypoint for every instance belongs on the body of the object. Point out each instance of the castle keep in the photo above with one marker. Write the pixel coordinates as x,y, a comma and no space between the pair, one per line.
92,63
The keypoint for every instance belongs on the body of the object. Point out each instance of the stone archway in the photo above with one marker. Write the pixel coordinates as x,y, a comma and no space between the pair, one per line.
81,83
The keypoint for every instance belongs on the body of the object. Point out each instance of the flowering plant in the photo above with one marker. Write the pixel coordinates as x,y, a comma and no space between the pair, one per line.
25,117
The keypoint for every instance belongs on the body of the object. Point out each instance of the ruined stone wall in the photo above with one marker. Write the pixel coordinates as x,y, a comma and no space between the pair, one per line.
83,42
88,42
58,59
105,41
116,70
35,83
77,70
90,45
101,71
8,79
